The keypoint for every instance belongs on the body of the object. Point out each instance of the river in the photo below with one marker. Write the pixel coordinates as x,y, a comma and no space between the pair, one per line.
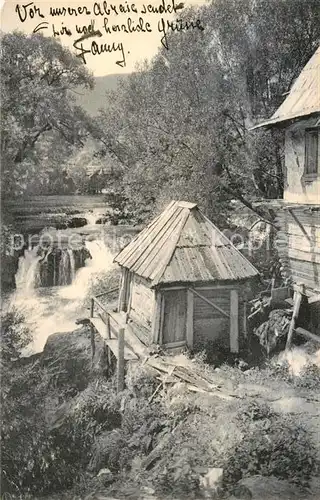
56,273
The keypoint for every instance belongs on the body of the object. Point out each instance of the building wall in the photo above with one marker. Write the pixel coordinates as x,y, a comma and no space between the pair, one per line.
142,301
298,187
209,325
298,244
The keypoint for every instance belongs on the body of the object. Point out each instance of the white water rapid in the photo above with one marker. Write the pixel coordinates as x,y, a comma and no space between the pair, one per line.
55,309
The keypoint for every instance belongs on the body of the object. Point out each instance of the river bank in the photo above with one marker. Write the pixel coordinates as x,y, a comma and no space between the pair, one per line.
80,439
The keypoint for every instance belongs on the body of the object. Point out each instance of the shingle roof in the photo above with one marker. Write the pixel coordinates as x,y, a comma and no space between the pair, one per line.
304,97
182,245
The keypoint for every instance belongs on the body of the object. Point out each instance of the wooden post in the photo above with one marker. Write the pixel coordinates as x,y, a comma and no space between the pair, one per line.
155,329
245,327
161,320
297,297
120,364
92,308
108,326
93,344
190,319
234,321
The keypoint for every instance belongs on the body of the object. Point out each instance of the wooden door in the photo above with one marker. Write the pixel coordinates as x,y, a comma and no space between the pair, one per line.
174,316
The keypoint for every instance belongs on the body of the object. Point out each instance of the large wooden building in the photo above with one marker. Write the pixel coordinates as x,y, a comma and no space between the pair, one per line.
184,283
298,212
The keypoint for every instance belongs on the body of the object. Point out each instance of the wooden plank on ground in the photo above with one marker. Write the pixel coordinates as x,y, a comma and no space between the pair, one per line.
308,335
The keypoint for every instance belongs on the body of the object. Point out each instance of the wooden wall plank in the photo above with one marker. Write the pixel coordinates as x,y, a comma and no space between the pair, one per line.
210,302
304,256
190,312
142,301
122,290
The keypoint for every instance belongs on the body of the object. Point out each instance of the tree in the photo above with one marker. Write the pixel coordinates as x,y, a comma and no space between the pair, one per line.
38,80
15,335
179,125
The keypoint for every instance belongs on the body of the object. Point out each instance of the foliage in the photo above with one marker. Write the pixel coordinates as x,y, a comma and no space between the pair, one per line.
15,335
178,127
180,476
38,77
42,455
136,431
272,445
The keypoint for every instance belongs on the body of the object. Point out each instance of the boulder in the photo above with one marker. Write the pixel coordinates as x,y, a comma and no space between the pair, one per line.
70,360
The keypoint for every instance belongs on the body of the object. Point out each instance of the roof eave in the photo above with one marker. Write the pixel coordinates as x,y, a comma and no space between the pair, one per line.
216,282
283,121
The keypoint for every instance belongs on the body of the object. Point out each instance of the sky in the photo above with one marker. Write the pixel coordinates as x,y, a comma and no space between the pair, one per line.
126,48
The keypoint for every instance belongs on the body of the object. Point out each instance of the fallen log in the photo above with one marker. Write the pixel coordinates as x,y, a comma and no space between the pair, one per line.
218,394
307,334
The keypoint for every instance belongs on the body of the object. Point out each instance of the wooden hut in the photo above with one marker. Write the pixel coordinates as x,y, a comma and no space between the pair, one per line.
184,283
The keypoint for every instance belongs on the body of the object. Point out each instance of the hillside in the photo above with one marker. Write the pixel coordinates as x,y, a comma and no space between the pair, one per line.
93,100
144,443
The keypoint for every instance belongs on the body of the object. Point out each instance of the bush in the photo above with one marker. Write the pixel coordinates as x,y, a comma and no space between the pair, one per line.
40,456
140,381
254,411
272,445
180,476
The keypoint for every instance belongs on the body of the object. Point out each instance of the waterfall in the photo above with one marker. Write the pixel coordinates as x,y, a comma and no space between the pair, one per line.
64,269
28,275
101,261
91,217
72,264
56,268
53,309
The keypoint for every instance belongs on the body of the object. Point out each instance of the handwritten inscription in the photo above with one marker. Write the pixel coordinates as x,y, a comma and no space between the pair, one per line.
107,23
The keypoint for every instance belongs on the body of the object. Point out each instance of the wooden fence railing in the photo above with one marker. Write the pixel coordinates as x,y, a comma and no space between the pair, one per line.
95,302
